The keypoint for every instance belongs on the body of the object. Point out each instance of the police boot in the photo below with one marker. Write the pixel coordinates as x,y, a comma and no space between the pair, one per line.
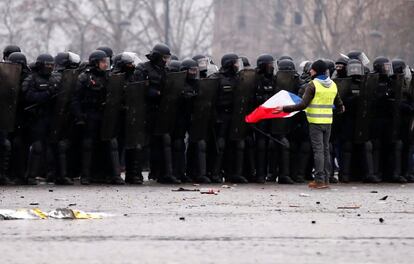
369,177
19,160
167,177
87,146
237,175
345,163
35,162
62,178
302,162
5,152
178,156
250,162
284,175
201,163
216,176
396,163
376,158
261,168
409,177
115,177
133,173
272,163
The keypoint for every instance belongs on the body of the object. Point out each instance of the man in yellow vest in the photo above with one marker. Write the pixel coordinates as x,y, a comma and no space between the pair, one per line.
319,100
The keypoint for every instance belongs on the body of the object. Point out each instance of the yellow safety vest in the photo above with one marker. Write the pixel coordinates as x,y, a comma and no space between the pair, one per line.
320,108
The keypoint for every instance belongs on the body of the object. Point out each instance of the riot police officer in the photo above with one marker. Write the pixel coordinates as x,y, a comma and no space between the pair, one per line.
402,78
264,90
65,62
88,105
286,79
109,52
19,137
174,66
40,89
205,65
13,69
125,63
387,147
228,80
154,72
8,50
183,121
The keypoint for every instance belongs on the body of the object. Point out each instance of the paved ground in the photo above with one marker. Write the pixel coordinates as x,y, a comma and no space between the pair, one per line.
247,224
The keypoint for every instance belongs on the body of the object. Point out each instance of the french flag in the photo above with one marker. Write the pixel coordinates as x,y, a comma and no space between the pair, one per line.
265,110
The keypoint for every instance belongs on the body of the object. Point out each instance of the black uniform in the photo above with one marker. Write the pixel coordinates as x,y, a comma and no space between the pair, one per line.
154,72
40,89
221,141
88,105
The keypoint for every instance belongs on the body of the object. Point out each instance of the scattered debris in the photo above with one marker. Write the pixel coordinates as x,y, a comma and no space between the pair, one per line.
61,199
22,214
381,220
209,191
384,198
59,213
349,207
181,189
182,218
304,195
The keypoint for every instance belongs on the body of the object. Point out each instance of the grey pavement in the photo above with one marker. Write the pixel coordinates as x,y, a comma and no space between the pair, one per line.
246,224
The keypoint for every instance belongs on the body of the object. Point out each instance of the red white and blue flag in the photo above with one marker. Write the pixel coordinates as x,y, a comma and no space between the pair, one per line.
265,110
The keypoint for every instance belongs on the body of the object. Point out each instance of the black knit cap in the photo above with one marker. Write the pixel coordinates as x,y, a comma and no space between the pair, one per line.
320,67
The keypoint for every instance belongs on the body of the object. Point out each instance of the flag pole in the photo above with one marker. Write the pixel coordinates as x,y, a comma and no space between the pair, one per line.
269,136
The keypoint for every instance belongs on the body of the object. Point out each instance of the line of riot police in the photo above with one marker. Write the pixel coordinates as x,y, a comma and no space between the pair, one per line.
63,119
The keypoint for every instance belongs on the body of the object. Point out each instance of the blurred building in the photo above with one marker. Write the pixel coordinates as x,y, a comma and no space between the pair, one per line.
254,27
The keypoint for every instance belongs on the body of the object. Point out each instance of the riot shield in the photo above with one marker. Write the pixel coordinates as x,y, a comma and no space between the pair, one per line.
202,109
284,80
9,91
114,95
242,98
135,115
363,118
167,111
60,117
344,86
